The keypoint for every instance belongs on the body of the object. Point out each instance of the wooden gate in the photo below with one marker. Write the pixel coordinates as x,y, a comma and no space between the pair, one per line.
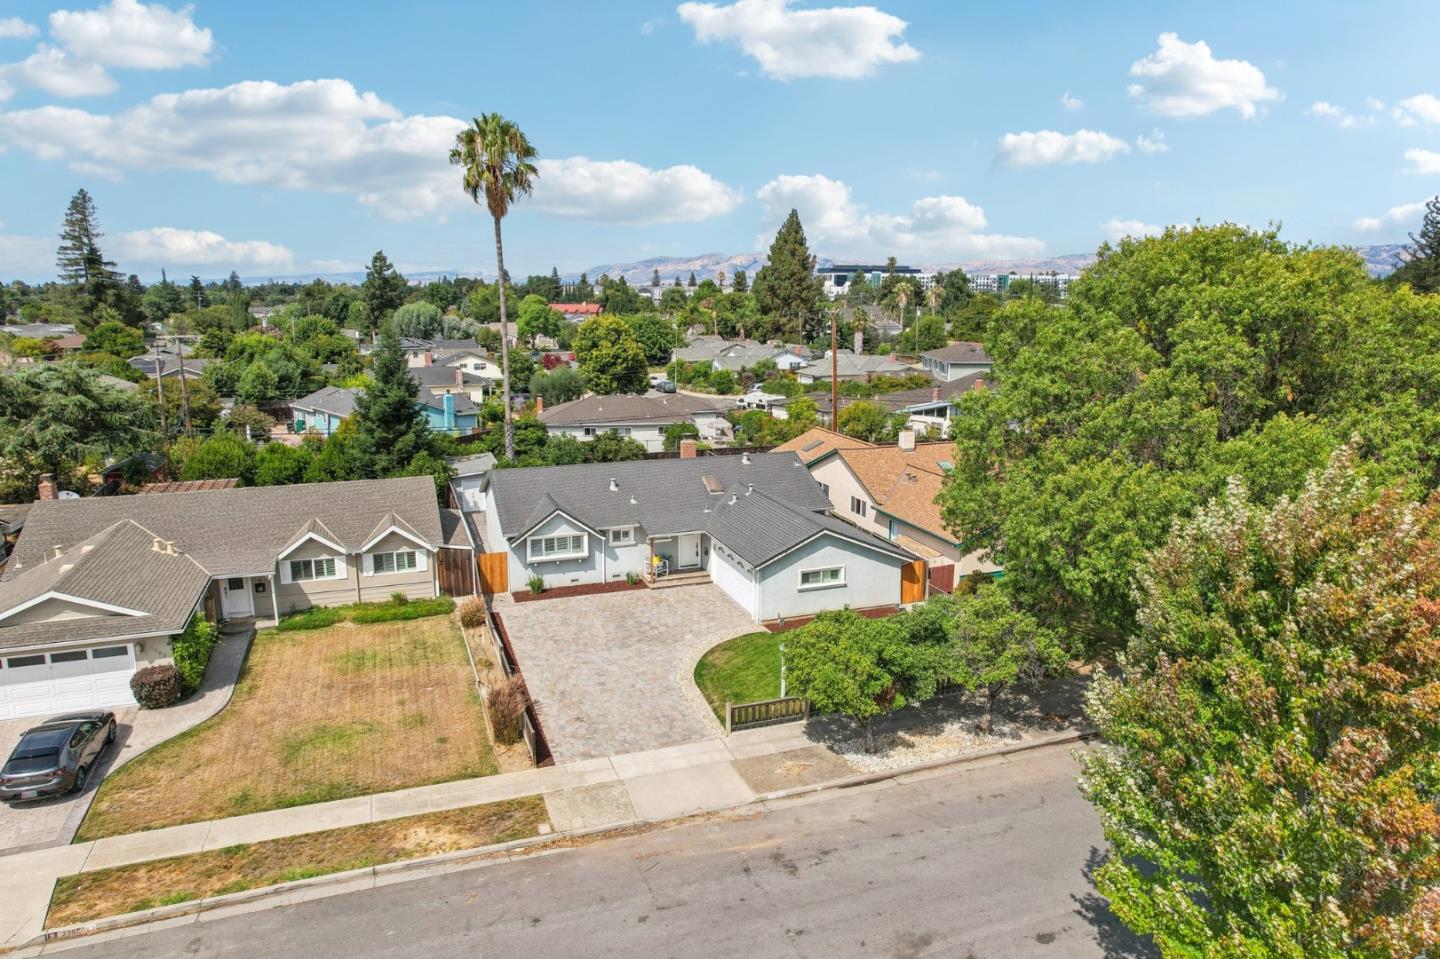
456,572
912,582
494,572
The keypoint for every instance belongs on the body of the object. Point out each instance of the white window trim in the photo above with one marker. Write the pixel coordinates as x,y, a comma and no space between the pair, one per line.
542,557
421,563
341,570
860,501
829,584
398,532
307,538
67,598
627,540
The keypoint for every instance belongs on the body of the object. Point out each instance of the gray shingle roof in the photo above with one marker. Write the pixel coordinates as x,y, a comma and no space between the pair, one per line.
118,566
443,376
849,364
471,465
663,496
336,400
236,532
962,352
905,399
759,527
628,408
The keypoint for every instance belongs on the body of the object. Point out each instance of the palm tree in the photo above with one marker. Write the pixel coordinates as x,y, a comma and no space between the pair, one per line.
934,296
902,300
496,160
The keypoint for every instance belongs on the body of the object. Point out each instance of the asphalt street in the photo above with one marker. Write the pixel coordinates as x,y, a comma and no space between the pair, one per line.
980,862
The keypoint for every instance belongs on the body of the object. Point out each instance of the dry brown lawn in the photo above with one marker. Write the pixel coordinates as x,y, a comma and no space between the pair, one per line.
317,715
163,882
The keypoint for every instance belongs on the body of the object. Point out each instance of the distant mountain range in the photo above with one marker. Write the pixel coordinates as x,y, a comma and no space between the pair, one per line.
1379,260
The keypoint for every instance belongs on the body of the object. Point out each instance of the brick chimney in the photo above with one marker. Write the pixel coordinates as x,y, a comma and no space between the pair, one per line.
539,405
459,378
934,394
427,358
47,488
687,449
894,357
907,440
859,342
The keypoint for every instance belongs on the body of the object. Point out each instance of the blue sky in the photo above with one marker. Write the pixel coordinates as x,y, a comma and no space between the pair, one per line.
300,137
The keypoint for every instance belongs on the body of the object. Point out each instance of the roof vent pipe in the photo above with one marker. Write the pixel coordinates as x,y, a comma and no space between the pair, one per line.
732,499
749,488
614,484
745,458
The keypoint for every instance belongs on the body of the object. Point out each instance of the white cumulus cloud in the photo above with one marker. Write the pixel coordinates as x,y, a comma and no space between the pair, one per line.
620,191
842,42
937,227
1154,143
56,72
1071,103
1047,147
166,246
139,36
1117,229
1421,108
1185,80
1341,117
1405,213
17,29
1422,162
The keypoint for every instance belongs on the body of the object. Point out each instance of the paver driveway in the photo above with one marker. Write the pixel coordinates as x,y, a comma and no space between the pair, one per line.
614,673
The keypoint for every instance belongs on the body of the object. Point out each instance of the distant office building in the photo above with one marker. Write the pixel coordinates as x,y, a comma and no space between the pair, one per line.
999,283
837,277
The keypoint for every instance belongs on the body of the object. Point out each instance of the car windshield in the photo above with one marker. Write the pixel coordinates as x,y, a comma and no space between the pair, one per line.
41,743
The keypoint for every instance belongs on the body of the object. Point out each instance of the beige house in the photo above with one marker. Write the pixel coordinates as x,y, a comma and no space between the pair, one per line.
889,491
97,586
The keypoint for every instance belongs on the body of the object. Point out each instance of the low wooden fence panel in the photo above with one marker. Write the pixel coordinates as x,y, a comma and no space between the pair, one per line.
766,712
494,572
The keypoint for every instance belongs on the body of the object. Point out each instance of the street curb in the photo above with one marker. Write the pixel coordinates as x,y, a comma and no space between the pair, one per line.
496,853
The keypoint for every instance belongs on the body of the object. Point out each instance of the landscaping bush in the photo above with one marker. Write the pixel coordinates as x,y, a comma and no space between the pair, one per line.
472,613
156,687
191,652
398,598
537,585
394,612
507,702
317,617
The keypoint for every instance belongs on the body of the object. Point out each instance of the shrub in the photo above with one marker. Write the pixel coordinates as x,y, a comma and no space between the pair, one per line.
472,613
317,617
399,598
395,612
537,585
191,652
507,702
156,687
632,577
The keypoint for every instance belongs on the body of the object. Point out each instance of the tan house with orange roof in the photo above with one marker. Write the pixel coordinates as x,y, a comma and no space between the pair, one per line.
889,491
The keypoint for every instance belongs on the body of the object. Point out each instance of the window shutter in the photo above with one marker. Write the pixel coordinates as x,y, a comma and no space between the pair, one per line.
369,561
422,560
285,571
341,571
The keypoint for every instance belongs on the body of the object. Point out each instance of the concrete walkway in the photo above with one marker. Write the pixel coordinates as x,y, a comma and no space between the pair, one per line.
54,822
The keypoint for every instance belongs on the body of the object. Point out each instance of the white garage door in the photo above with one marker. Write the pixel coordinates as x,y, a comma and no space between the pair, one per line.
38,684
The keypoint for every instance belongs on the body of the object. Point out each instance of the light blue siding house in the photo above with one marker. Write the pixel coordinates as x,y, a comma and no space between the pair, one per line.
323,410
757,526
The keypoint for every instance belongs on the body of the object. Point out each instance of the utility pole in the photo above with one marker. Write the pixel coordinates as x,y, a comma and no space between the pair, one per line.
834,374
160,393
184,388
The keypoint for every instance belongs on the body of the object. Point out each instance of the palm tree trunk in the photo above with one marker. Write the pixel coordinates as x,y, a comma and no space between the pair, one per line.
504,345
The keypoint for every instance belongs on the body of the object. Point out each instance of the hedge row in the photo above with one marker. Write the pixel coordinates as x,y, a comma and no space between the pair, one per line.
392,610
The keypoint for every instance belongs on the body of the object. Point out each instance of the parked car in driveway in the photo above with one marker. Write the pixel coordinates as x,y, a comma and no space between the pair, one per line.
57,756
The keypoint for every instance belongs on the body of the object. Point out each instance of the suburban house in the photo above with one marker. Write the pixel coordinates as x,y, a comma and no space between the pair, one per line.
732,355
757,399
927,409
170,365
446,379
640,418
472,478
473,361
849,365
576,312
890,491
323,410
96,586
39,331
956,361
758,526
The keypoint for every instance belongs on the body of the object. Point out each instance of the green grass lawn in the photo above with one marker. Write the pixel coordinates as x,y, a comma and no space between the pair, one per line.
745,669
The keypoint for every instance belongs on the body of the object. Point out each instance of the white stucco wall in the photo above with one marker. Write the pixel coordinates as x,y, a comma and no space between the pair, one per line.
735,577
871,579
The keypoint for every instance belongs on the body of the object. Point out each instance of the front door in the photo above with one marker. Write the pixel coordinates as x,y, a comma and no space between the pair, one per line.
690,551
235,599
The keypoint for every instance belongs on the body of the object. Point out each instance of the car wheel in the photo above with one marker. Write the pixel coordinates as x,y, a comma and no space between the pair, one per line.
81,775
110,736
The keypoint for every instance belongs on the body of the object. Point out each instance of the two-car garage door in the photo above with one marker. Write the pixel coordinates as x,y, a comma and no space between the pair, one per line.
38,684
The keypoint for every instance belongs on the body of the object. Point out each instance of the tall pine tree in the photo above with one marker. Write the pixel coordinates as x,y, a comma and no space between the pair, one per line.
79,259
1421,268
384,288
786,287
390,427
742,282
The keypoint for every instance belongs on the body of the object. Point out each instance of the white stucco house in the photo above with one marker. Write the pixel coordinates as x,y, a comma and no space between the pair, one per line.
640,418
758,526
956,361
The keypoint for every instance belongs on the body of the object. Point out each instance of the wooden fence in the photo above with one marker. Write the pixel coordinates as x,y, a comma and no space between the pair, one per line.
455,569
494,572
943,578
766,712
534,735
912,582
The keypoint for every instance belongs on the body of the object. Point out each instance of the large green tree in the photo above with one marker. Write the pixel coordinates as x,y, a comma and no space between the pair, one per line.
498,162
1421,263
611,358
81,263
390,428
383,291
1272,743
786,286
